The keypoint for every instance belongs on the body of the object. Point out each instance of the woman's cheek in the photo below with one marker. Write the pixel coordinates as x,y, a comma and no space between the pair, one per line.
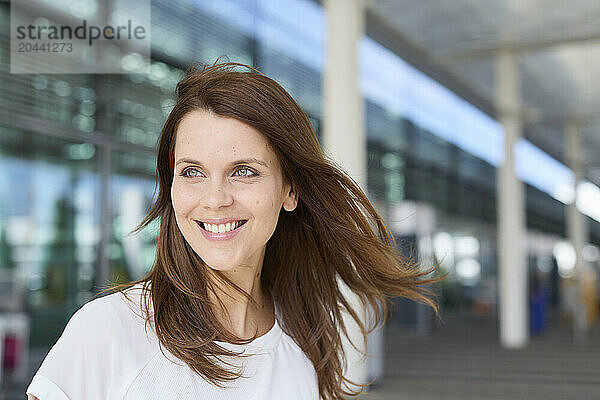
184,198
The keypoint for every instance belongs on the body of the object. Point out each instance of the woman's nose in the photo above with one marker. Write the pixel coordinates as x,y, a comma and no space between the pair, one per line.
217,194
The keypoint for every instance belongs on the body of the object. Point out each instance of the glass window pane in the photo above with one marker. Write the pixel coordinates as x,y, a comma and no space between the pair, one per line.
133,189
49,224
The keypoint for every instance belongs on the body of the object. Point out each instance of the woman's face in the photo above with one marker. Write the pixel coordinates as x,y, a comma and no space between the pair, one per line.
225,171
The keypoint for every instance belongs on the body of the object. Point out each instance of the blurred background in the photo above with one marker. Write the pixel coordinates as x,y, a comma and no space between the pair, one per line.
473,125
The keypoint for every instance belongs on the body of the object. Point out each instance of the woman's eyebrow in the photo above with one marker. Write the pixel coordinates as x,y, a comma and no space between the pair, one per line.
250,160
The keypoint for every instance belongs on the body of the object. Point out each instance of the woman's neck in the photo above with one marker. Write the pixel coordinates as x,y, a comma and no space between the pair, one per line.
242,316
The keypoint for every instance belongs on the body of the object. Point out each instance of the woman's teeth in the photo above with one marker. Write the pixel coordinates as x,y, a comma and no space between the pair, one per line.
222,228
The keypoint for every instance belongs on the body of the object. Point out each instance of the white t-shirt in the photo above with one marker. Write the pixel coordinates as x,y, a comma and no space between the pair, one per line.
106,353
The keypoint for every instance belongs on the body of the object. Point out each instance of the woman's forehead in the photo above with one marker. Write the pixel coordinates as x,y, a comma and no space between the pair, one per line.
206,135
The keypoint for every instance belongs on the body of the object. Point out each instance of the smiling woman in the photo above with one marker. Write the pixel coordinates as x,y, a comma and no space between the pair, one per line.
257,230
209,194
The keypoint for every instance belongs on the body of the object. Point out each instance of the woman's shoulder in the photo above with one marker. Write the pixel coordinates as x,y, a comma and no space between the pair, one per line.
103,344
109,314
115,321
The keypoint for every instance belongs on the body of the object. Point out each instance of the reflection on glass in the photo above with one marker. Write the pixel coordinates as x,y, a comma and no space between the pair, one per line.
48,226
133,184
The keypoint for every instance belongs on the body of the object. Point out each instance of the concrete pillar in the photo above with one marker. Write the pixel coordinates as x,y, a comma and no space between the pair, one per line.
512,271
344,132
103,273
576,229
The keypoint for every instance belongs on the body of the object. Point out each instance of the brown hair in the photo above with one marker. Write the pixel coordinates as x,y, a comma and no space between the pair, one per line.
333,234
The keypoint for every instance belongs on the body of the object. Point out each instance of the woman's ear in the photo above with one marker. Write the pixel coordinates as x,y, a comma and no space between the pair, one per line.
291,200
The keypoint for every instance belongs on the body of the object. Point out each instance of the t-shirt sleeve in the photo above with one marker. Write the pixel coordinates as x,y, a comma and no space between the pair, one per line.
79,365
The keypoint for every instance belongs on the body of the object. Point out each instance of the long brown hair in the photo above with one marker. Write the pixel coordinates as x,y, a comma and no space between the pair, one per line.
333,234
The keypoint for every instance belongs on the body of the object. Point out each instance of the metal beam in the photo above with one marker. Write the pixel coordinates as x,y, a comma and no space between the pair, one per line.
383,33
517,48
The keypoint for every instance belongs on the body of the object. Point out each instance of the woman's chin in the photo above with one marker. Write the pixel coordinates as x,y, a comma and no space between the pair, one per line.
221,268
220,265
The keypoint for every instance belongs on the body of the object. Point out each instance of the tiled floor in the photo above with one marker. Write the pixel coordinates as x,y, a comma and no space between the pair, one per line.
463,360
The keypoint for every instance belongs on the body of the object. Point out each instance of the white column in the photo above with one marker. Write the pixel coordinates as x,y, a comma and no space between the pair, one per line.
576,229
512,271
344,137
344,132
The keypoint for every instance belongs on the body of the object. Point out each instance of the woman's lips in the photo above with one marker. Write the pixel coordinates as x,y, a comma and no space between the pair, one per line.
220,236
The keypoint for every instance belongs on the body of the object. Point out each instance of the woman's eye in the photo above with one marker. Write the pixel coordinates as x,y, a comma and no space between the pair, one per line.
190,173
194,173
247,172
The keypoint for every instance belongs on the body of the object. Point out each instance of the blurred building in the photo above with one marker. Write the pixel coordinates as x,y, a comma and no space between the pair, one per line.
77,157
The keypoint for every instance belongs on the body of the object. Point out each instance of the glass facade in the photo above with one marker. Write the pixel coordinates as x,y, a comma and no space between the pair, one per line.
77,161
